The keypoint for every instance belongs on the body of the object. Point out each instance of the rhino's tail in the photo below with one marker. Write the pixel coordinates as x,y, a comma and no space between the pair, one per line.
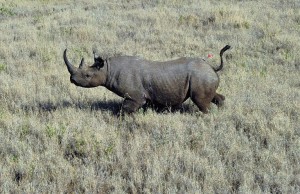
221,56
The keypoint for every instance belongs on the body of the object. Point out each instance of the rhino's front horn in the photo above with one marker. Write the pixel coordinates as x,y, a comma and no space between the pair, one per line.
70,67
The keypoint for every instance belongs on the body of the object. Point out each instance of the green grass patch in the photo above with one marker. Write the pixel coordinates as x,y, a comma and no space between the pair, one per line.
6,11
2,67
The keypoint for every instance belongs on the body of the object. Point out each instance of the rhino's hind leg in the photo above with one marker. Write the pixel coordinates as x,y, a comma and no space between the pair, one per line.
218,100
202,103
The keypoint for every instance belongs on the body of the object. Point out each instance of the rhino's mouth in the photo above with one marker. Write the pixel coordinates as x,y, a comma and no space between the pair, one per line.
74,82
84,85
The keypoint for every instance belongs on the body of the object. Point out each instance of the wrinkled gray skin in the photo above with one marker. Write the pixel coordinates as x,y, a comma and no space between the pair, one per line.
139,81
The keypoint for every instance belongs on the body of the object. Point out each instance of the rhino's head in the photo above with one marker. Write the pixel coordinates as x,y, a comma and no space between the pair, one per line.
87,76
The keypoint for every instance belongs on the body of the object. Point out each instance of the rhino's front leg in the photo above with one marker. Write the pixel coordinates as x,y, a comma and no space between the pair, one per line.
132,103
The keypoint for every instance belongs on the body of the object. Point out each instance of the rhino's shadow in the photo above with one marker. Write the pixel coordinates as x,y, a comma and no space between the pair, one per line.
112,106
47,106
115,107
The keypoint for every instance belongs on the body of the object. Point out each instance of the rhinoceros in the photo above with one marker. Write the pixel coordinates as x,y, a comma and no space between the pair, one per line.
140,81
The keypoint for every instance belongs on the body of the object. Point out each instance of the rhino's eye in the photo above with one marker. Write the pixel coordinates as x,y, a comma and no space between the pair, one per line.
87,75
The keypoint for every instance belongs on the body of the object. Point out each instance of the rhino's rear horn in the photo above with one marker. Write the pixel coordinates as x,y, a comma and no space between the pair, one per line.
70,67
81,63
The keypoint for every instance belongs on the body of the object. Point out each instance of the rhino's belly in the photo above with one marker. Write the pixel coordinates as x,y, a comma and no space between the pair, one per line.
168,98
167,89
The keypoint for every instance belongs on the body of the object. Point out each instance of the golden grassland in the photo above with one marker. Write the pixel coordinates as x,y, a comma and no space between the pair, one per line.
59,138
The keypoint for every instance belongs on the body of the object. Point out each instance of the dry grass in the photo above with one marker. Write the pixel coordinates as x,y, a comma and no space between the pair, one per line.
58,138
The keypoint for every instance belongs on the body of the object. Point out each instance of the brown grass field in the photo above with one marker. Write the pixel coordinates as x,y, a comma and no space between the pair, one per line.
59,138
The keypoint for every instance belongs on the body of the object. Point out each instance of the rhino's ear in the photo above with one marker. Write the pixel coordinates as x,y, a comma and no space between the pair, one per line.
98,64
96,58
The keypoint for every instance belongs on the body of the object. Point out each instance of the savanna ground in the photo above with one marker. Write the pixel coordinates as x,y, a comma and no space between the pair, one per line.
59,138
